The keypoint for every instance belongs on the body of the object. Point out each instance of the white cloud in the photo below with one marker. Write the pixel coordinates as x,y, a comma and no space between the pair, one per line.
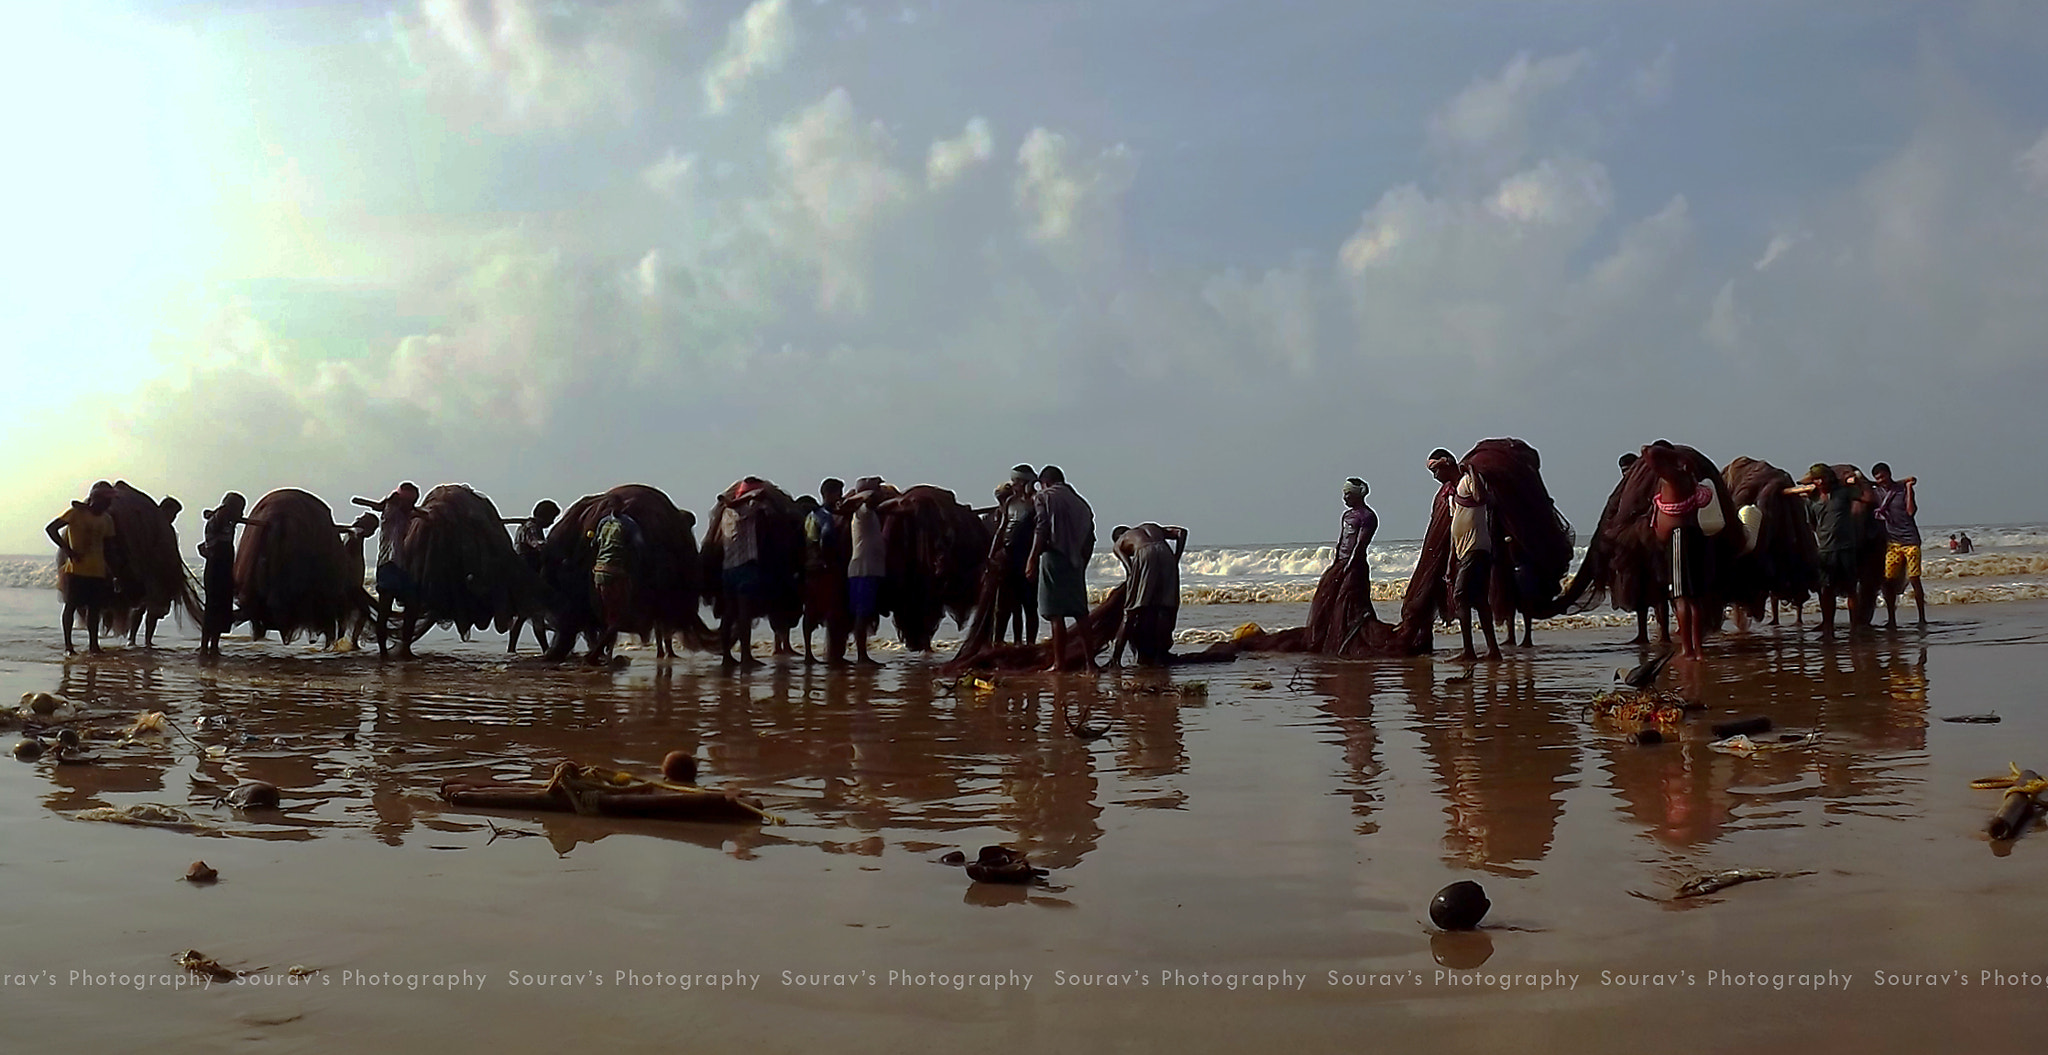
838,187
2033,163
1725,319
524,63
1651,85
1060,193
951,159
1490,120
1779,245
671,175
757,42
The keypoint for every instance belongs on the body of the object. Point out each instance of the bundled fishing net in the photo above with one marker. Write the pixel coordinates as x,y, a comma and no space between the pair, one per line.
1624,559
780,546
667,576
291,574
1870,546
463,570
146,566
1780,557
1089,635
937,548
1532,541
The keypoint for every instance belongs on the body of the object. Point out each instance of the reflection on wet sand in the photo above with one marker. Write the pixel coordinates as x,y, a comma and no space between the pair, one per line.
856,761
1503,755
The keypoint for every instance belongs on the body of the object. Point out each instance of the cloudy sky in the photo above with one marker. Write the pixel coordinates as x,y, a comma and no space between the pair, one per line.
1211,257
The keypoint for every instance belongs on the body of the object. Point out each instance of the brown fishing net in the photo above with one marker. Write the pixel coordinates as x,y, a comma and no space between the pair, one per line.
1624,559
291,574
780,544
148,571
937,548
463,570
667,583
1780,566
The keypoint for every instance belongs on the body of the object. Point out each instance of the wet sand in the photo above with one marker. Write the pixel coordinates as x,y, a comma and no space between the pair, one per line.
1295,819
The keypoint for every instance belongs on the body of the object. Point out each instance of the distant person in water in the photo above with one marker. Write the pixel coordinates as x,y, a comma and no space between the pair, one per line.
1062,540
83,578
217,548
1964,545
1151,558
1897,508
527,542
1471,548
1837,511
1953,545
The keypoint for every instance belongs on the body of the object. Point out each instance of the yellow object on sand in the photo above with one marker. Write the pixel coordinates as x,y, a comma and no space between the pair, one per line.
2031,787
1245,631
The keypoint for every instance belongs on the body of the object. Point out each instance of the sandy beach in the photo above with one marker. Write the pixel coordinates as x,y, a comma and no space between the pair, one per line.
1247,866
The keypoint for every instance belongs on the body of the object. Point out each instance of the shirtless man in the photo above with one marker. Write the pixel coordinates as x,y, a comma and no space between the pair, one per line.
85,527
1151,559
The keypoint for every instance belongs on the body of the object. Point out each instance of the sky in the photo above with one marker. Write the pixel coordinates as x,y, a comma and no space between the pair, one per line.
1209,257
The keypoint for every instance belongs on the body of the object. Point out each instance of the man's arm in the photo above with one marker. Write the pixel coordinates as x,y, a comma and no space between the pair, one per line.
1801,489
369,503
1912,500
1179,535
63,549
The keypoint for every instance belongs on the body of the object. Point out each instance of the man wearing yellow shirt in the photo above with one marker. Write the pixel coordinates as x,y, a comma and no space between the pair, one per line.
83,581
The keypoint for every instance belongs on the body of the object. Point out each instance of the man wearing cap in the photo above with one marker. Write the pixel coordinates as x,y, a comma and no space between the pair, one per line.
1837,513
86,527
1897,508
1062,540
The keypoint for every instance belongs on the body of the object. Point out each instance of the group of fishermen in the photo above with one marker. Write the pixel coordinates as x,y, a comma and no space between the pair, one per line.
1850,538
1041,538
1477,558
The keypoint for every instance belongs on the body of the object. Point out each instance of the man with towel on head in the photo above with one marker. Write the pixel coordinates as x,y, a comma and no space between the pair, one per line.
1151,558
1062,540
1471,548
